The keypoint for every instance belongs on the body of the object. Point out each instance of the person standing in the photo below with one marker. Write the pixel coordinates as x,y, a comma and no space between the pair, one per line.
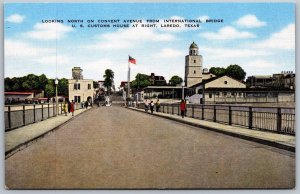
151,107
182,108
72,108
157,105
69,106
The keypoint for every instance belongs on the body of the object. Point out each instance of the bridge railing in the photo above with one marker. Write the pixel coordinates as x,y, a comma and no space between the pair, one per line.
273,119
16,116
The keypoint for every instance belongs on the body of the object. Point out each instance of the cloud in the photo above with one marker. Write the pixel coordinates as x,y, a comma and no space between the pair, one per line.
227,33
169,53
49,31
129,38
282,40
21,52
15,18
260,63
233,53
249,21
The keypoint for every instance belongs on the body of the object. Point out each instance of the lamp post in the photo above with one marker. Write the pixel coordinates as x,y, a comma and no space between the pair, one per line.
56,100
182,84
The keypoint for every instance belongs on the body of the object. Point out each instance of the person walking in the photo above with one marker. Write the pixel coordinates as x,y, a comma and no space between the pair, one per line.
182,108
151,107
65,107
157,105
72,107
69,106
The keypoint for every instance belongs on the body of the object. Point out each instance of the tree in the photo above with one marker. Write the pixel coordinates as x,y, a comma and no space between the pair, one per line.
141,81
235,71
175,80
49,88
218,71
63,87
108,79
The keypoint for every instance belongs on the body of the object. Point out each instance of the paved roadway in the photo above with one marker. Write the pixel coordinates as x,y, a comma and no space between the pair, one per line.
113,147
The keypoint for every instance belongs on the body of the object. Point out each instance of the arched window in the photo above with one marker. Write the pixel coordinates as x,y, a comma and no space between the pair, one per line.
194,71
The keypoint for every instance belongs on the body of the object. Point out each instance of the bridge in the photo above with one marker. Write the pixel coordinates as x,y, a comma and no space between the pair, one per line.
126,148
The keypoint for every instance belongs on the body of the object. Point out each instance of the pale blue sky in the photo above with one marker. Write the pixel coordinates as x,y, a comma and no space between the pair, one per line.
260,37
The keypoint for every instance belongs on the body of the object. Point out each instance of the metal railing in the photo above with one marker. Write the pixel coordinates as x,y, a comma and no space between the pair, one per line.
273,119
16,116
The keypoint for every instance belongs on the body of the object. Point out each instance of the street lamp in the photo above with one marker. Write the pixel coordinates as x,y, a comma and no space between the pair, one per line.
182,84
56,100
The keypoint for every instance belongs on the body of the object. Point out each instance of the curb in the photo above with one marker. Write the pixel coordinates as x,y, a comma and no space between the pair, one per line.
249,138
27,143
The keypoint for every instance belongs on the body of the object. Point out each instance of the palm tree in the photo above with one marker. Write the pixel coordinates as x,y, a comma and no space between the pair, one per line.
108,79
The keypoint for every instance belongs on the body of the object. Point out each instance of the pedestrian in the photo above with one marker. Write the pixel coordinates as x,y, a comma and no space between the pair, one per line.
65,107
72,107
151,106
182,108
86,104
146,105
157,105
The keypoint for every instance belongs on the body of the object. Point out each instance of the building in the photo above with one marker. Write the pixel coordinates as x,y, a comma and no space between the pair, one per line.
206,74
226,83
193,66
80,90
156,80
257,81
17,97
285,79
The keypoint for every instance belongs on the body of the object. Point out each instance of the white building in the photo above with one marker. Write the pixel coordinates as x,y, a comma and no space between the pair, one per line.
80,90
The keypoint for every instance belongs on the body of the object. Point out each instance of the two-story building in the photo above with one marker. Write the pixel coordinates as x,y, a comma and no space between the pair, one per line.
80,90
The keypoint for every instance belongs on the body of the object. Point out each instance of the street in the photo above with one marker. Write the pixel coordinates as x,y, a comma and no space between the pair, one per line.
115,148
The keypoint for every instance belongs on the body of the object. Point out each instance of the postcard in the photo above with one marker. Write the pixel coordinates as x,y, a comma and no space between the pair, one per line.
149,95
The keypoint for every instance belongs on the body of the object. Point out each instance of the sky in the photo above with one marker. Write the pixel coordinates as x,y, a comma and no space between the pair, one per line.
260,37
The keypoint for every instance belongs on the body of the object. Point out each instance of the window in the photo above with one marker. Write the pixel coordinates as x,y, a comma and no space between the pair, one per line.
78,99
218,93
89,86
194,71
75,98
194,61
76,86
232,93
210,95
224,93
240,94
225,82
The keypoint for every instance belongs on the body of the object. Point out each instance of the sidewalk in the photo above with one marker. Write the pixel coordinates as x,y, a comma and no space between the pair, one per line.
20,138
286,142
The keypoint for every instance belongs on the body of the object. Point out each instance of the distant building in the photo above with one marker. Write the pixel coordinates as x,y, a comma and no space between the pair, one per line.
17,97
206,74
157,80
285,79
80,89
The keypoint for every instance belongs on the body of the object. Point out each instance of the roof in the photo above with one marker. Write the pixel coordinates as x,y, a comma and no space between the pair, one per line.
193,45
164,87
18,93
248,89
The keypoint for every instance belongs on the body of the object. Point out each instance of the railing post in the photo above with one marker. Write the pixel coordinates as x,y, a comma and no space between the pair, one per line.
202,111
230,116
192,111
250,117
48,111
42,112
172,109
215,113
34,113
279,119
178,111
9,117
54,113
163,108
24,115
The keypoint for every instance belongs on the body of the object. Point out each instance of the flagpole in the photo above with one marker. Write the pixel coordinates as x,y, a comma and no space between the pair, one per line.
128,81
